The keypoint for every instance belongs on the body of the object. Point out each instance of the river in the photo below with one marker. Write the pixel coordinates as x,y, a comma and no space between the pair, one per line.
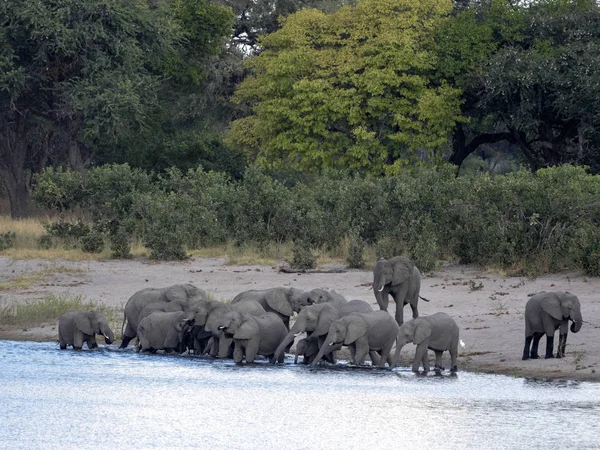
118,399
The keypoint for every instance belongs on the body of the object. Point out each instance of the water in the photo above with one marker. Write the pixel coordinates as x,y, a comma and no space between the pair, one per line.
110,398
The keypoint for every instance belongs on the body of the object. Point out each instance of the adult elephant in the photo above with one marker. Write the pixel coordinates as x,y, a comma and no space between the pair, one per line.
77,327
438,332
253,335
178,297
315,320
400,278
161,331
211,315
283,301
316,296
546,312
363,334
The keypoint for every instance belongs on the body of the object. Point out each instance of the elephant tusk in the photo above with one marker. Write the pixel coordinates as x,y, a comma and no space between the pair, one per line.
221,328
381,289
298,334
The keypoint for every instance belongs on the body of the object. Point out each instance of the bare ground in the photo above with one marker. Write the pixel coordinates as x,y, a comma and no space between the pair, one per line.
488,307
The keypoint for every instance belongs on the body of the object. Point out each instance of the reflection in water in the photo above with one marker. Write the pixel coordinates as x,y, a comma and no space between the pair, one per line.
119,399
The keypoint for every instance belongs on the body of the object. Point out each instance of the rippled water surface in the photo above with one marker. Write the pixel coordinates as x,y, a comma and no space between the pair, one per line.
109,398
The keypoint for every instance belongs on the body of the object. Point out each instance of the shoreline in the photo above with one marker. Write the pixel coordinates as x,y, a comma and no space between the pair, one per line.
488,307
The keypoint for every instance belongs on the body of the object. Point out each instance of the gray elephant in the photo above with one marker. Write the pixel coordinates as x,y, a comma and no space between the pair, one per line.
546,312
210,315
254,335
179,297
315,320
284,301
363,333
438,332
161,331
400,278
316,296
77,327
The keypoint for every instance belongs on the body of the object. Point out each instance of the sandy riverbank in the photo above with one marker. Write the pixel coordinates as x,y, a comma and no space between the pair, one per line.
488,307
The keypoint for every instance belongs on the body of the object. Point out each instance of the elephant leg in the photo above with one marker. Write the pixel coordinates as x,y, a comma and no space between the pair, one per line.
535,345
125,340
562,343
385,353
399,295
375,357
453,355
224,346
77,340
238,352
91,342
251,350
415,310
527,347
549,346
438,361
214,349
420,356
426,362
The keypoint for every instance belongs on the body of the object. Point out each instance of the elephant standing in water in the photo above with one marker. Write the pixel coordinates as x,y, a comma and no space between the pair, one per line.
77,327
545,312
363,333
400,278
161,331
315,320
438,332
179,297
253,335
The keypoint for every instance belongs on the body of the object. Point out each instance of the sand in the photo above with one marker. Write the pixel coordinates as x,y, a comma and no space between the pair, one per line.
488,307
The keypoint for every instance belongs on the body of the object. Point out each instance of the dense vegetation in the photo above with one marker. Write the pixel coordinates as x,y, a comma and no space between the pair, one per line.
325,123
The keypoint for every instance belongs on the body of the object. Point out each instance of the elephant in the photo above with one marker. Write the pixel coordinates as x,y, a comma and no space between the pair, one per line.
161,331
284,301
179,297
210,316
364,333
316,296
400,278
253,335
315,321
545,312
438,332
194,337
306,347
77,327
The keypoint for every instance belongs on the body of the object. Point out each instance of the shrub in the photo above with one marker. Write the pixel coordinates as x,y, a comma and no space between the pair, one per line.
303,257
93,242
7,240
356,248
119,244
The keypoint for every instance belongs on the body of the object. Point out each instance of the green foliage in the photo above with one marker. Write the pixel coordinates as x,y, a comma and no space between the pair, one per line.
7,240
93,242
119,244
302,255
351,91
356,249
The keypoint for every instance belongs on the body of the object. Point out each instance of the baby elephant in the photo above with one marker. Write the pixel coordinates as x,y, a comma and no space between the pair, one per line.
437,332
161,331
77,327
253,335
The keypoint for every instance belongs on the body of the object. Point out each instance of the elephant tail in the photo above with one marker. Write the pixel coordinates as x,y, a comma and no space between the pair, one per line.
424,299
123,325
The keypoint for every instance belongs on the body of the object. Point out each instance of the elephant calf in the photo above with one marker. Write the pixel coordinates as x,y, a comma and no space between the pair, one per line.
546,312
77,327
161,331
254,335
438,332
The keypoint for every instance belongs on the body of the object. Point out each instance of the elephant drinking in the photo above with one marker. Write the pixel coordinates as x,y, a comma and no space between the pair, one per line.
77,327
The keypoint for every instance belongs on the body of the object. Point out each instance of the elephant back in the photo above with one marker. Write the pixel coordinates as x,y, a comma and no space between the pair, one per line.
354,306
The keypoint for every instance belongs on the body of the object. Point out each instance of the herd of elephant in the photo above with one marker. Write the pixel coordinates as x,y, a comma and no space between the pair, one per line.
181,318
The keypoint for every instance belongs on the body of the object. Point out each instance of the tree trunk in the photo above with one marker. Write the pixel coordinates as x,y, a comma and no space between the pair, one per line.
18,193
13,152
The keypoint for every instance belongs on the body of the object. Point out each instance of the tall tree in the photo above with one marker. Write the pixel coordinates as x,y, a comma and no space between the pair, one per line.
529,73
351,90
78,75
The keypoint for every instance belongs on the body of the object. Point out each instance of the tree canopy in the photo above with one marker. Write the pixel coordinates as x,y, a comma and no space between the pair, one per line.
354,90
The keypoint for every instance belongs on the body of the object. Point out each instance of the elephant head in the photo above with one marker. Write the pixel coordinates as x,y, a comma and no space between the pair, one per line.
415,331
346,330
285,301
391,271
314,320
564,305
317,296
93,322
238,325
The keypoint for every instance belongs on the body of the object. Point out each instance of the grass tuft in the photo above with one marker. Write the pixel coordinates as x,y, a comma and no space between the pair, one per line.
42,311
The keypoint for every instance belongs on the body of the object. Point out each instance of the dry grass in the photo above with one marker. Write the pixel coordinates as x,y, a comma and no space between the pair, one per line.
49,310
28,279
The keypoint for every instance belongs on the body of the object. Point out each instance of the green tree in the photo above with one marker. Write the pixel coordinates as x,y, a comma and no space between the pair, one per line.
79,76
529,76
352,90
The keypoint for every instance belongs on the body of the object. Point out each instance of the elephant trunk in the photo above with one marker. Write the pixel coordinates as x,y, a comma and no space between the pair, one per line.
289,338
577,321
109,336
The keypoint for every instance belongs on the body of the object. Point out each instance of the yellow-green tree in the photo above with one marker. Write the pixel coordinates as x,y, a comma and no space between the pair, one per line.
353,90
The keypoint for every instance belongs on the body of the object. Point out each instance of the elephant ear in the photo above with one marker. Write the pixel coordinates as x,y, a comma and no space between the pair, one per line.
83,321
177,293
247,330
551,304
357,327
326,318
422,332
278,301
403,269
